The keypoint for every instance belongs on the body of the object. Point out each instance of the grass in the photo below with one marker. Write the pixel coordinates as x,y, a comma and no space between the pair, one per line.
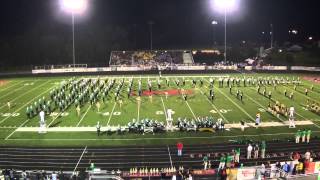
22,92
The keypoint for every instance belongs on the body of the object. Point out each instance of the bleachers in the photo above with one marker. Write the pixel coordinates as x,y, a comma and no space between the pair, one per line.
150,58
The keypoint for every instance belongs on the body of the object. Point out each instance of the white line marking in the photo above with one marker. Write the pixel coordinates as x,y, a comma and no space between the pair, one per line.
75,168
10,86
32,89
300,93
244,111
188,106
191,110
164,108
215,108
114,106
16,129
138,113
28,102
170,156
54,119
12,91
262,106
84,115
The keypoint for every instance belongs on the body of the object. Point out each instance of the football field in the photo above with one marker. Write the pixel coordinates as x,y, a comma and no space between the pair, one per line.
67,127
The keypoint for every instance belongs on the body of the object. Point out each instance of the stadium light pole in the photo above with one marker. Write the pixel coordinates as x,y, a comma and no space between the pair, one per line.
225,6
74,7
213,23
151,23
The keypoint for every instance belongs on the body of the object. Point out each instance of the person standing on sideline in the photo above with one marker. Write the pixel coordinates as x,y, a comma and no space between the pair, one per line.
256,151
303,135
205,162
308,135
263,149
298,135
179,147
98,128
249,150
258,116
237,155
222,162
242,123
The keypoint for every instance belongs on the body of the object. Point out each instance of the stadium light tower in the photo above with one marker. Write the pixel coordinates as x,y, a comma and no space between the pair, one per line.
225,6
75,7
213,23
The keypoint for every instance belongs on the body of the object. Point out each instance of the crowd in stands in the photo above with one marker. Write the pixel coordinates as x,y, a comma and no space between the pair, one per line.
150,58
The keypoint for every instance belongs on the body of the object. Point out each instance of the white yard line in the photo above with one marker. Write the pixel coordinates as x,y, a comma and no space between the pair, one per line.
164,108
138,113
191,110
25,93
170,156
54,119
28,102
84,115
16,129
214,107
7,94
301,94
244,111
261,106
114,106
195,117
161,138
75,168
12,85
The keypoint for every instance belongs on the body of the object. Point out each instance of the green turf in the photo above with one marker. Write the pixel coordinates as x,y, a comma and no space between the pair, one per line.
21,92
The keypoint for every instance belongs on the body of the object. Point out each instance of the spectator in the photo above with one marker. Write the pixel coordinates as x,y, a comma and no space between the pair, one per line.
299,168
11,174
237,155
263,149
256,151
229,160
174,177
249,151
24,175
54,176
61,175
205,162
223,174
285,169
307,156
179,147
1,175
222,162
295,156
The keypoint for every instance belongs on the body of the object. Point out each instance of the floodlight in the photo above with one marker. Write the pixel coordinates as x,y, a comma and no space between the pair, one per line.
225,5
214,22
74,6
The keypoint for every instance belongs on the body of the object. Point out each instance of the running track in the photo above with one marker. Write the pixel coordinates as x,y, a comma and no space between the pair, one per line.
124,158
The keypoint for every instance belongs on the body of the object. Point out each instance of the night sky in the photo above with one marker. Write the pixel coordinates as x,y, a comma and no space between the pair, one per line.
177,23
